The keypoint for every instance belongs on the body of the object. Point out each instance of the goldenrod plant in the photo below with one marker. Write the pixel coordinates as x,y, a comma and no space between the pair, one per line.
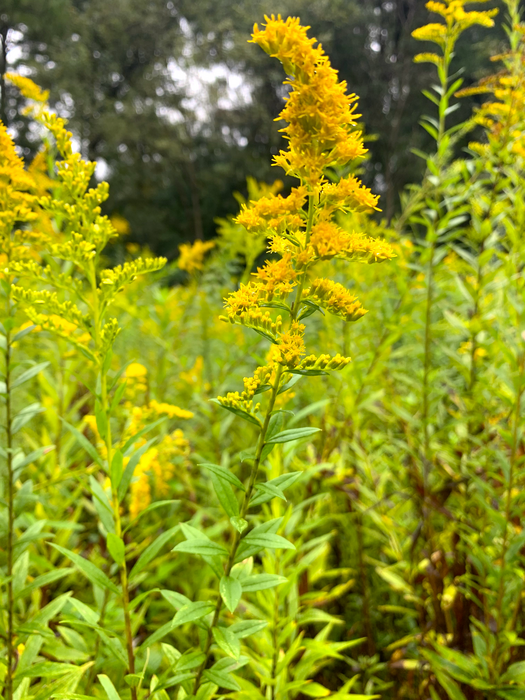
321,134
324,527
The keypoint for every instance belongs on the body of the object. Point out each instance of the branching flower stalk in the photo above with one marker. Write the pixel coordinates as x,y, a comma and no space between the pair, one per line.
17,211
445,36
83,320
321,132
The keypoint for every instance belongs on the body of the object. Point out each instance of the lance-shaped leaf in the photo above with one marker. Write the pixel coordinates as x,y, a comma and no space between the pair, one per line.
259,582
223,474
28,374
240,413
153,549
267,540
226,496
92,573
292,434
108,686
231,592
280,483
227,641
192,612
84,442
245,628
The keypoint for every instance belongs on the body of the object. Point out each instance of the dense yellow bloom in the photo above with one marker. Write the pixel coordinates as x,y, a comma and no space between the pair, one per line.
192,256
321,116
291,345
457,20
321,132
17,202
335,298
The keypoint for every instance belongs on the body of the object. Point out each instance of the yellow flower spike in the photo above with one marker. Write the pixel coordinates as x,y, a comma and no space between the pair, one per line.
28,88
169,410
191,257
335,298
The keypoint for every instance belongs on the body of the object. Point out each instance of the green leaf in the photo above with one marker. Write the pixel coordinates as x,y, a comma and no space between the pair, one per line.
192,612
223,474
267,541
245,628
231,592
29,374
226,496
259,582
515,672
44,580
116,470
159,634
20,460
289,384
87,613
240,413
292,434
24,416
102,505
315,690
84,442
204,547
92,573
108,687
152,550
191,533
270,490
280,482
176,599
116,548
222,679
227,641
240,524
22,333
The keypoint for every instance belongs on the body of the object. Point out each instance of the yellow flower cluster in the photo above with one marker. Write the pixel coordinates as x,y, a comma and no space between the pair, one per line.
457,20
82,234
504,117
244,401
191,257
155,470
320,114
335,298
321,132
17,201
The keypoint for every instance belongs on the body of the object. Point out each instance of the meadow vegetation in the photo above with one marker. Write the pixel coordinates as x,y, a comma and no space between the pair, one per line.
298,472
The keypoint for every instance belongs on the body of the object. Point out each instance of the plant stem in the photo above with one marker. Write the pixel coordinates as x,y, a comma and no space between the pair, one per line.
258,453
244,510
10,503
97,324
427,360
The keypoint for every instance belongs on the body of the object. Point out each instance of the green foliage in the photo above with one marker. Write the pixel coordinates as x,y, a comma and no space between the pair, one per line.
377,551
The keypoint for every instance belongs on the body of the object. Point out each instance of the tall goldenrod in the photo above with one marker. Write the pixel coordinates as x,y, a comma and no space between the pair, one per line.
73,302
321,133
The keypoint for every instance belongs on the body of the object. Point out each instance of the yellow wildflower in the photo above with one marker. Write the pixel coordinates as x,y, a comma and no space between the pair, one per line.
191,257
335,298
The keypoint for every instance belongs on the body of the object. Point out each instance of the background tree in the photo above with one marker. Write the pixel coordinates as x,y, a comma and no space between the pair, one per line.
177,110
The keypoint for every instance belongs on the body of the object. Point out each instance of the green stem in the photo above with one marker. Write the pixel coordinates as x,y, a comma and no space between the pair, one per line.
244,509
97,324
258,453
10,507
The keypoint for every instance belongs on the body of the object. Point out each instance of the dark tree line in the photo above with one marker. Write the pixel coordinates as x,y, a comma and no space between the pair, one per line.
178,108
